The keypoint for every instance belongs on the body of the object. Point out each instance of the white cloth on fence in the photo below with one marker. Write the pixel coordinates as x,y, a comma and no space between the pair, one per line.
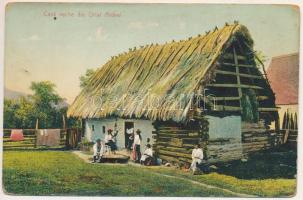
95,149
48,137
197,156
147,153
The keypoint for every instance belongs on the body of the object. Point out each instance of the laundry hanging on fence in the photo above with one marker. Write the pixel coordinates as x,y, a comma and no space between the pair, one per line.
17,135
48,137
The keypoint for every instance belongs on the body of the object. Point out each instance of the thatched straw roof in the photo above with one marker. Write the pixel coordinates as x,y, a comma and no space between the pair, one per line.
165,72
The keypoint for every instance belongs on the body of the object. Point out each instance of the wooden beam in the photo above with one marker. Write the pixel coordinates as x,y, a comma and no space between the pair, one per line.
231,56
226,98
237,74
227,108
261,98
267,109
235,86
240,65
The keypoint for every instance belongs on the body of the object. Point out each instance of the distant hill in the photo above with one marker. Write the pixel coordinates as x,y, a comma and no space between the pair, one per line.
11,94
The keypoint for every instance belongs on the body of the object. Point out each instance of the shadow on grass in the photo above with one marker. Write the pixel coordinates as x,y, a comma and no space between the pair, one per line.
276,163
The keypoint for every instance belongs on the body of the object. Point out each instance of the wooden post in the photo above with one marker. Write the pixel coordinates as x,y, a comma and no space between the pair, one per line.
238,76
67,138
277,128
82,127
64,122
36,132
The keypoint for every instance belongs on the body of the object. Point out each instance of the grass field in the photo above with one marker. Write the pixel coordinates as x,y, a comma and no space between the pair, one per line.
62,173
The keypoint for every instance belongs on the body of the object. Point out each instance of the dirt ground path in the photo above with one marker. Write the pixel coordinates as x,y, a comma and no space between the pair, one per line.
86,158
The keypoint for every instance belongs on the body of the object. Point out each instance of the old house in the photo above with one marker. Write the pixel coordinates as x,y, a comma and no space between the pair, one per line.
205,89
283,75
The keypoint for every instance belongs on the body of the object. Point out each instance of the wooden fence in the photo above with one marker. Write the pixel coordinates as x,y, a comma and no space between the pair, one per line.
290,137
69,139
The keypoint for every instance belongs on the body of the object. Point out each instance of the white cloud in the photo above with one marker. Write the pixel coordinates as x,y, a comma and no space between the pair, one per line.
99,35
142,25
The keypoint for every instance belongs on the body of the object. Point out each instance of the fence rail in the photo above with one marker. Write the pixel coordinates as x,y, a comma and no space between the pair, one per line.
290,137
69,139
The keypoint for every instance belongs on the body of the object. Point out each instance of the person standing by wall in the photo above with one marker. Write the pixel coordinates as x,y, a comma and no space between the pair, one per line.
137,146
130,135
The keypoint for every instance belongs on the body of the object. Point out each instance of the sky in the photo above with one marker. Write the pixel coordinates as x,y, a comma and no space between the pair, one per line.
60,41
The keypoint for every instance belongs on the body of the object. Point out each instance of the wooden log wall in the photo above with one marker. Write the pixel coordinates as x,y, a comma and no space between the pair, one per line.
224,149
174,143
256,137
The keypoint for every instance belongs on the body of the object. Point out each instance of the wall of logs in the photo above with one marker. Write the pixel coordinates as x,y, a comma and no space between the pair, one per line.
256,137
174,142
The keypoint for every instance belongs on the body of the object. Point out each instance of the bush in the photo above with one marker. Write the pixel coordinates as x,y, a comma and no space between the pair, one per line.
86,145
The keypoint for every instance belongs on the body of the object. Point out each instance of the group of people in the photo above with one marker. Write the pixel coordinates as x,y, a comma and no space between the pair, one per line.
134,147
110,140
147,157
110,144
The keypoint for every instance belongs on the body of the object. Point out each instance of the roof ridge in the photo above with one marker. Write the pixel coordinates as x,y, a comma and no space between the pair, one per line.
140,47
285,55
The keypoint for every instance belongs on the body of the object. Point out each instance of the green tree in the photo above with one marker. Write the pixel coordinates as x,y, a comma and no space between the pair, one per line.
250,106
9,110
45,104
45,101
25,114
84,79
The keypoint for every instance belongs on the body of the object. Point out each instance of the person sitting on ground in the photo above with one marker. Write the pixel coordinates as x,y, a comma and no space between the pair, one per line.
197,156
109,140
147,157
98,151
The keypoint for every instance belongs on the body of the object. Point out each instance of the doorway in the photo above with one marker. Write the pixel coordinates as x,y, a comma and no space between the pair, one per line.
128,132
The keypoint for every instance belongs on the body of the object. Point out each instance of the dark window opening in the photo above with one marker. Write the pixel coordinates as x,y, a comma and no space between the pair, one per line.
103,129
